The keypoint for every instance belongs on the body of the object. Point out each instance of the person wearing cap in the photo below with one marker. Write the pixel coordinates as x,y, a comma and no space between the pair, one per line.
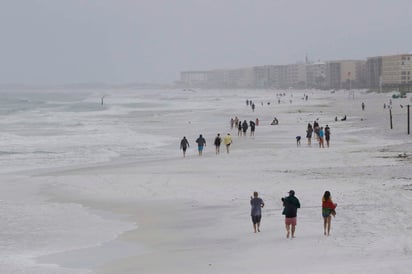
256,204
227,140
291,205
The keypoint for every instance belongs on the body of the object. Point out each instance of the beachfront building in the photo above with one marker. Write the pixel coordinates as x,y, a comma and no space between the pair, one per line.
316,75
391,71
296,75
345,74
397,70
373,72
262,76
195,78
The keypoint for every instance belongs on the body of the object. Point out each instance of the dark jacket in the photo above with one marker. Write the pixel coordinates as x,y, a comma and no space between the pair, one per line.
184,143
291,204
201,141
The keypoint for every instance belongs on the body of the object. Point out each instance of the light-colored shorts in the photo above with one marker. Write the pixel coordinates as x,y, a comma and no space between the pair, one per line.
290,221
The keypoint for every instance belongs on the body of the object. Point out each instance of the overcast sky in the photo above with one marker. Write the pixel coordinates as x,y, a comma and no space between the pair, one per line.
118,41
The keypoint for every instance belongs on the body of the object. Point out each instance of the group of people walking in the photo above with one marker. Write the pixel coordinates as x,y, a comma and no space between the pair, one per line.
290,207
321,134
242,127
201,143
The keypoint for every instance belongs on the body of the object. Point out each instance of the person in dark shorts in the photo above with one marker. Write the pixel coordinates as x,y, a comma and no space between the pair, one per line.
291,205
309,132
218,141
184,144
252,128
327,135
298,140
256,204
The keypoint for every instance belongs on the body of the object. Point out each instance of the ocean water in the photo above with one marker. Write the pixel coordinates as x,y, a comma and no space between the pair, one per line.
46,130
52,129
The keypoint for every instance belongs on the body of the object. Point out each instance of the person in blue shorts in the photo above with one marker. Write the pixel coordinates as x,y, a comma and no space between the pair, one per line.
201,142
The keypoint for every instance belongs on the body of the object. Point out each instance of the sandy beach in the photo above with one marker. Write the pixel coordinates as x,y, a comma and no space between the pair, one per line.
192,215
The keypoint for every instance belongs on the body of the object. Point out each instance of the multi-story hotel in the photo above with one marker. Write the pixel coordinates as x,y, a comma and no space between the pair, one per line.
345,74
396,70
316,75
381,71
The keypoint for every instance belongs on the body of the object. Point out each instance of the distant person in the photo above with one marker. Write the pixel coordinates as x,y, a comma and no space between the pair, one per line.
218,141
253,107
309,132
291,205
252,128
328,210
321,137
236,121
316,129
327,135
298,140
239,129
201,143
232,123
275,121
184,144
244,127
257,121
227,140
344,118
363,106
256,204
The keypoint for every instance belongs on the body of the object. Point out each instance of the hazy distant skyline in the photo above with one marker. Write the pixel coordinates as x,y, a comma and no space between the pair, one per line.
109,41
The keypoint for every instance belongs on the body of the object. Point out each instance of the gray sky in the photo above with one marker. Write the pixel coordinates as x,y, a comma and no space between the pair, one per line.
117,41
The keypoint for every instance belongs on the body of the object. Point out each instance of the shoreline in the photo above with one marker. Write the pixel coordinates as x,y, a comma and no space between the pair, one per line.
181,230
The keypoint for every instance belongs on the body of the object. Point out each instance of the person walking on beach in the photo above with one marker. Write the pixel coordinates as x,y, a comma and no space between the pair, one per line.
239,129
184,144
291,205
309,132
328,210
217,143
327,135
244,127
256,204
227,140
252,128
363,106
316,129
321,137
201,143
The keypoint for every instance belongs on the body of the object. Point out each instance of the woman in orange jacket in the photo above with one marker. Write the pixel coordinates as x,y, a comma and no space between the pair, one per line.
328,210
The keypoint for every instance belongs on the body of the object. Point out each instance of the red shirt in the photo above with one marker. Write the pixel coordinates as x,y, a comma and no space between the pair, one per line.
328,204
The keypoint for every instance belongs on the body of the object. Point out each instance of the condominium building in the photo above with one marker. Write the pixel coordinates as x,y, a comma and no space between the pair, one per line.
315,75
345,74
397,70
373,71
195,78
